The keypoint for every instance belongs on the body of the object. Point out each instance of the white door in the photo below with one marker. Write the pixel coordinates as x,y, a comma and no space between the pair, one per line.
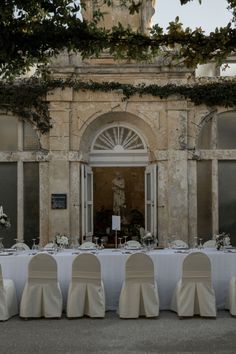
87,201
151,199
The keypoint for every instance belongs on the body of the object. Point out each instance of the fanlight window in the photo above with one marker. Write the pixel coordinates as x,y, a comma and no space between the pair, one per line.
118,139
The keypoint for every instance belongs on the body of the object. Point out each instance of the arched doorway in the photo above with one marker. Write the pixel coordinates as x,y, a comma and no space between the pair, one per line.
118,180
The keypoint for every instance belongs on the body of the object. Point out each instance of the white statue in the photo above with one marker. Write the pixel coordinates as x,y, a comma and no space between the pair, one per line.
118,187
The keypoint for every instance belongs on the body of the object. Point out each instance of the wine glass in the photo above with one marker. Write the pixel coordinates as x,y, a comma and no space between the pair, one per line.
102,243
1,244
195,242
200,243
125,243
120,243
34,247
96,242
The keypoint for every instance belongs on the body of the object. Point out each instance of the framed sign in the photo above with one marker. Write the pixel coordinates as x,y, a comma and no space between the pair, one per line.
116,222
59,201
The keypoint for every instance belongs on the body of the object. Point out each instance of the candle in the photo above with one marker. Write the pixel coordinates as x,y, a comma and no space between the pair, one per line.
1,210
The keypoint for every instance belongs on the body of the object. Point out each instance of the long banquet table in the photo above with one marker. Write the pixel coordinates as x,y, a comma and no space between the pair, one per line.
167,263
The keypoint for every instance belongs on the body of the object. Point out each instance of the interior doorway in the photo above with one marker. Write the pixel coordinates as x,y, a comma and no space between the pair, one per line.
130,205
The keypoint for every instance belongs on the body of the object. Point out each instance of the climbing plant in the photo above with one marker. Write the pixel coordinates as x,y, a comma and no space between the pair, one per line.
27,98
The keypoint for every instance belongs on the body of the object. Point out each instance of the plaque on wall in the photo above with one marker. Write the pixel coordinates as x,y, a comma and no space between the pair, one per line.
59,201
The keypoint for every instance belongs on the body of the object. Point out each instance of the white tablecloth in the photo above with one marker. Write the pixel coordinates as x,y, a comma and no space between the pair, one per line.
168,265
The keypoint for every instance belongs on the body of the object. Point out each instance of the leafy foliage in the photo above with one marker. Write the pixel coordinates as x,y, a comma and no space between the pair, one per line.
32,31
27,98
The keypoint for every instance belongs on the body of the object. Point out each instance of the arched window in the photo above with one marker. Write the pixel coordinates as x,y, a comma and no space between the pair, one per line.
19,178
118,138
218,132
8,133
30,138
118,144
216,175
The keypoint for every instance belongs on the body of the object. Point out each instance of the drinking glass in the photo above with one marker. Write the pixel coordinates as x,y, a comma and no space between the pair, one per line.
96,242
125,243
200,243
1,244
34,247
120,243
195,242
102,243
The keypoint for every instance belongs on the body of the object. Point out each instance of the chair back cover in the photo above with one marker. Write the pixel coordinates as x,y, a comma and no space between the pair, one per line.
139,266
87,245
42,267
87,267
49,245
179,243
20,246
209,244
133,244
196,268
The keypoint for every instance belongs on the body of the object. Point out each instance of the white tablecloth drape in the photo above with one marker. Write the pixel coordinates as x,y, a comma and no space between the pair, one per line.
168,265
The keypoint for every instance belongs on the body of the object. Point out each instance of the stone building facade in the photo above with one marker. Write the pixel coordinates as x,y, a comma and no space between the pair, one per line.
178,160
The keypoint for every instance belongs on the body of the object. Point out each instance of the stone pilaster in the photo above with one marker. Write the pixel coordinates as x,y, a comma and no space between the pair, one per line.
75,201
44,202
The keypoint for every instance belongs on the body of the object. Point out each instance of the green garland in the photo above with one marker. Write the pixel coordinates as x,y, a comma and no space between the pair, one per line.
27,98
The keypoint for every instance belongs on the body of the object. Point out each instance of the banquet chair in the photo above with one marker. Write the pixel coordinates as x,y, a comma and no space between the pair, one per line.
209,244
42,294
231,297
86,291
20,246
139,294
49,245
194,294
178,243
8,299
87,245
133,244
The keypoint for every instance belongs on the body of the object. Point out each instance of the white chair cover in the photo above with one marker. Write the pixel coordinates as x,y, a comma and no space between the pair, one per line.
139,294
87,245
209,244
20,246
133,244
178,243
8,299
194,293
49,245
86,294
231,297
42,294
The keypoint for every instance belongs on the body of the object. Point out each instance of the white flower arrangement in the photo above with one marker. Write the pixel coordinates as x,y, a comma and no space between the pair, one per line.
62,240
4,220
222,240
148,236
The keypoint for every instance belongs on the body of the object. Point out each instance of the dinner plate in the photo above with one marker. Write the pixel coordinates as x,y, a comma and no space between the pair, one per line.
9,250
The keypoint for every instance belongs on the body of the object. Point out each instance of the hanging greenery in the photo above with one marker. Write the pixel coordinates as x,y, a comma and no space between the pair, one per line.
27,98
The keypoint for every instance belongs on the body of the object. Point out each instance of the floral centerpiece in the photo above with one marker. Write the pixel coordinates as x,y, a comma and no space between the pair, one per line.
148,239
61,240
4,220
222,240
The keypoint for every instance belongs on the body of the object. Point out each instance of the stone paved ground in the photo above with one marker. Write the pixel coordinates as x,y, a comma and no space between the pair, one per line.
167,334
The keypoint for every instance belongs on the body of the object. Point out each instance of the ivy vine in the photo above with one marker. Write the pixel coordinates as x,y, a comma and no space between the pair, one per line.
27,98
